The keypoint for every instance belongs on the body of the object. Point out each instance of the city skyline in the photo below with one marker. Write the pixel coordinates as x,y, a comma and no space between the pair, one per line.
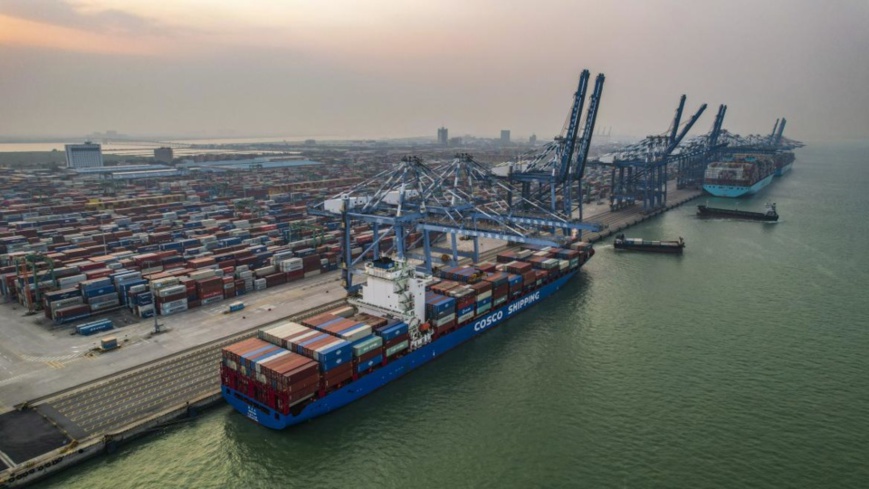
388,69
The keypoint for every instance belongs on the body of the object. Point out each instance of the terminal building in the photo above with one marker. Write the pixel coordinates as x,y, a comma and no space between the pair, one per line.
87,155
164,155
443,136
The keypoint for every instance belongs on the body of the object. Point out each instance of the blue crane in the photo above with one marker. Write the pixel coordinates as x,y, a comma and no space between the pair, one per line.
696,154
553,175
639,171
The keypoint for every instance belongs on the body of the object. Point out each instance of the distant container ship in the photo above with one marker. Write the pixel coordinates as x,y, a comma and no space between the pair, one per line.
743,174
294,372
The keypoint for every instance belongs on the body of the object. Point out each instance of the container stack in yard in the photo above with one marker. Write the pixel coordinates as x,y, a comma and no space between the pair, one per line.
167,245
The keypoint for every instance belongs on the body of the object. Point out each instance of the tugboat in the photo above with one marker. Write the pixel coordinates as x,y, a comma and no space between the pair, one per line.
770,215
636,244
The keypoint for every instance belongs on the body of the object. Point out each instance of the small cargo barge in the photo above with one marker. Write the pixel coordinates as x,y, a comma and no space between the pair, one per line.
636,244
770,215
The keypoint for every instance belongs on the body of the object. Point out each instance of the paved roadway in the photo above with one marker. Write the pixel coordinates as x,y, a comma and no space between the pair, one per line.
101,407
36,360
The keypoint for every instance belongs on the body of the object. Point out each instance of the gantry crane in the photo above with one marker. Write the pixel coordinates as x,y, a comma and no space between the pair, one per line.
551,177
639,171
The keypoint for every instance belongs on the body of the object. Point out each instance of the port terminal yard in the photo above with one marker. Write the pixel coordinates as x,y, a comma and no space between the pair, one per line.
158,379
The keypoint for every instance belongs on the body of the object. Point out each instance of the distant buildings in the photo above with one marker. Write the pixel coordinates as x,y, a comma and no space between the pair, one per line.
443,136
505,136
164,155
87,155
532,140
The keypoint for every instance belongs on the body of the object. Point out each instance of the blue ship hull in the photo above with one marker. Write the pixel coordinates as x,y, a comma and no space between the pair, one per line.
784,169
737,191
394,369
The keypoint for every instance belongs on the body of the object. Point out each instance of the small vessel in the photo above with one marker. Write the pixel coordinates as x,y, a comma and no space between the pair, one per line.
769,215
636,244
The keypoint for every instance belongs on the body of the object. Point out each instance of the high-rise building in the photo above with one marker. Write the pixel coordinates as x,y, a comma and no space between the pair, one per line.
532,140
164,155
443,136
505,136
87,155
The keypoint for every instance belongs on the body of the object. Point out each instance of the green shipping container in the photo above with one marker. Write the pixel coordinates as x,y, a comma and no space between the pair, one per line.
367,345
396,348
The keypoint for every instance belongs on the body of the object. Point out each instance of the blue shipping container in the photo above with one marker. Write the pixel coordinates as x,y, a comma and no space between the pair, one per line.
392,331
369,364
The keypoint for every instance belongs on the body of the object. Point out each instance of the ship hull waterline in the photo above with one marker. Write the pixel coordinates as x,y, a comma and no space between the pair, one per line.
783,169
394,369
733,191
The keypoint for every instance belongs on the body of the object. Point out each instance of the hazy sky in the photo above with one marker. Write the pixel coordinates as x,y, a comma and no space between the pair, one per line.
378,68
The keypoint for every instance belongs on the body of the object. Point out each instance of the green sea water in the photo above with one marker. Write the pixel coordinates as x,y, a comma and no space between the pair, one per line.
743,363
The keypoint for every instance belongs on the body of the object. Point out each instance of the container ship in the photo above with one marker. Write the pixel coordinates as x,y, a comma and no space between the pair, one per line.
740,175
770,215
293,372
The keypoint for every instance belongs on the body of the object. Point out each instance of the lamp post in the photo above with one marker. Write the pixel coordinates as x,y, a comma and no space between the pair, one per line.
154,305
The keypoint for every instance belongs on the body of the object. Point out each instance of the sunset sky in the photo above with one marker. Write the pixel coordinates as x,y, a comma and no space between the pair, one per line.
380,68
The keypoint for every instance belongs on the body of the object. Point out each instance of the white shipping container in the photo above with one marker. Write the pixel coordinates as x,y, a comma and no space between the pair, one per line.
105,305
202,274
72,301
103,298
174,311
174,304
171,290
267,270
69,282
356,333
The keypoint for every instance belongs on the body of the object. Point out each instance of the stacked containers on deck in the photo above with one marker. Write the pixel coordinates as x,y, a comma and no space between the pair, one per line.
440,312
270,374
483,291
465,299
333,354
341,327
368,351
526,270
396,338
515,284
572,257
500,288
